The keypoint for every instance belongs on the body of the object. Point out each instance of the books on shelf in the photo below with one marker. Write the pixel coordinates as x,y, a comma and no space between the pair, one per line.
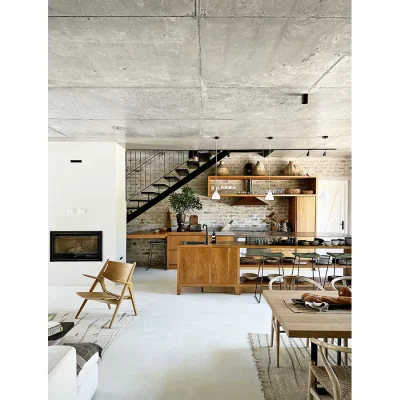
54,327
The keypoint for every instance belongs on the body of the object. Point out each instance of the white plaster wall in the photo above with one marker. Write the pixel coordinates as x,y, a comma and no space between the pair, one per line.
95,186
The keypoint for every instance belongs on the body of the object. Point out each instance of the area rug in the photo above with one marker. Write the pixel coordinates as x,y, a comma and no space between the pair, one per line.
92,327
290,380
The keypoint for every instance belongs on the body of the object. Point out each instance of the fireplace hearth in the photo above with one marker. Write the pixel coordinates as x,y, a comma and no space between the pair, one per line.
76,246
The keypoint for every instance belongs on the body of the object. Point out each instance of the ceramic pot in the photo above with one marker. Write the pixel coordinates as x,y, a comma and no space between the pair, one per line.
248,169
258,169
180,219
292,170
222,170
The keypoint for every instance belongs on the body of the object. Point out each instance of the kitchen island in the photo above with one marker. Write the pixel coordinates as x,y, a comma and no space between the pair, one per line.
218,265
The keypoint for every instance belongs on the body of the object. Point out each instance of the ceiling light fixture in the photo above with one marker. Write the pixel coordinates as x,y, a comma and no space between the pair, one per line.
216,195
308,153
304,98
324,153
269,195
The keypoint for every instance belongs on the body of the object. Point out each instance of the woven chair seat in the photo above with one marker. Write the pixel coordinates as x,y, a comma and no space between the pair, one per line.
343,374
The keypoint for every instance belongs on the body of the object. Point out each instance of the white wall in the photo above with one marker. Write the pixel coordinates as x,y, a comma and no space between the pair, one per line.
95,185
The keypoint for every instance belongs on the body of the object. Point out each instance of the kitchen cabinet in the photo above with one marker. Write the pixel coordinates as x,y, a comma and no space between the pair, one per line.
174,238
303,215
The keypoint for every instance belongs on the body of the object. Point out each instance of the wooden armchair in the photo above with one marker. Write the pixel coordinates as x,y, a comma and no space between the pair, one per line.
116,272
336,380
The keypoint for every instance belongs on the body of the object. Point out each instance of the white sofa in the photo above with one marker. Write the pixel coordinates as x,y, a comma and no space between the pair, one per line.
63,384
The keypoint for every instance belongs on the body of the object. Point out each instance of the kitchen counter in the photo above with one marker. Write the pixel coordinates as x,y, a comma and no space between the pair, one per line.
219,264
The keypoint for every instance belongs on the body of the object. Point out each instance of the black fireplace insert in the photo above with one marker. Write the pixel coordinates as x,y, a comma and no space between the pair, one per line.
76,246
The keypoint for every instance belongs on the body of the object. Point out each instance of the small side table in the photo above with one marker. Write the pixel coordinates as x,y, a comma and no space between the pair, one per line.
56,338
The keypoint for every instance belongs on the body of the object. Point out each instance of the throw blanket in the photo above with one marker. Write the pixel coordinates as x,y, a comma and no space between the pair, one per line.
84,352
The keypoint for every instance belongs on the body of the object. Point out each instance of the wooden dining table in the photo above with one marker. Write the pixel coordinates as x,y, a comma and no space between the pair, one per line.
311,324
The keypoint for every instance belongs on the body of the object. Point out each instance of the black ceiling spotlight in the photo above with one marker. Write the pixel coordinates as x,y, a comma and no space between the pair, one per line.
308,153
304,98
324,153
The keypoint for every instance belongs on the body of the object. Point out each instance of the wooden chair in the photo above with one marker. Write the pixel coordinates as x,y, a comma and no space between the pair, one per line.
289,282
336,380
344,280
116,272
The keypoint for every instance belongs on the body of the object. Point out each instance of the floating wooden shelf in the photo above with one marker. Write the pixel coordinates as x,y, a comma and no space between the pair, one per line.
255,178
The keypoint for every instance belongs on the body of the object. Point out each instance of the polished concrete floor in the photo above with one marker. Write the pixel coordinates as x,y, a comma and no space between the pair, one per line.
193,346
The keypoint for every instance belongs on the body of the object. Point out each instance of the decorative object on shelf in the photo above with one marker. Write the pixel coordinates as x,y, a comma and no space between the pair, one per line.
249,276
258,169
307,192
193,219
270,220
184,202
292,191
169,221
215,195
222,170
292,169
248,169
269,195
195,227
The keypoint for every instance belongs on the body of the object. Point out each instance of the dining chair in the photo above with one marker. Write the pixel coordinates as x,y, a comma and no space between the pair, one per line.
287,282
117,272
344,280
336,380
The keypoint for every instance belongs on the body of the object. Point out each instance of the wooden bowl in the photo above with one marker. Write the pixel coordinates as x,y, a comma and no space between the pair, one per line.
250,276
292,191
307,192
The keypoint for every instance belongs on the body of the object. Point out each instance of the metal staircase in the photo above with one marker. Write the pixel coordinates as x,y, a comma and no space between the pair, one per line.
152,175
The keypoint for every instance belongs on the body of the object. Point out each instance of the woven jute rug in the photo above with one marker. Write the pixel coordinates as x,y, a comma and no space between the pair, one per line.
91,327
289,381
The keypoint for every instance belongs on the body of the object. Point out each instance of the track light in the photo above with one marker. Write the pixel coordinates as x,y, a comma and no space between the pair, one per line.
304,98
308,153
324,153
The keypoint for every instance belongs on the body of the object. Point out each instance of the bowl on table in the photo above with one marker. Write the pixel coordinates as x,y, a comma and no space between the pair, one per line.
341,242
314,243
327,242
250,276
335,242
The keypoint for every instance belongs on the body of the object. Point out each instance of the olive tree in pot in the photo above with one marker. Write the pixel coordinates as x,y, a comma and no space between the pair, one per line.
184,202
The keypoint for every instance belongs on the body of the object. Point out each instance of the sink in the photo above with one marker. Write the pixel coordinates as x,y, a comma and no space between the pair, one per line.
193,242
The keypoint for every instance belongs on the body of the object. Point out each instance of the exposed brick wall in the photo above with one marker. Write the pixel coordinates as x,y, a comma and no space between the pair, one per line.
218,213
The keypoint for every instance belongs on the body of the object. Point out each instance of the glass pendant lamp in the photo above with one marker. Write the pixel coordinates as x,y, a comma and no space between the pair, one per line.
216,195
269,195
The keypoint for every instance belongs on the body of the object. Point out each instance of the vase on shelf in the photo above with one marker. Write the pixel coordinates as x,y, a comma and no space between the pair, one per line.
180,219
248,169
292,169
258,169
222,170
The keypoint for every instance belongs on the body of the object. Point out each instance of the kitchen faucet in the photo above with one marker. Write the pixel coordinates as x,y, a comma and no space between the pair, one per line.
204,225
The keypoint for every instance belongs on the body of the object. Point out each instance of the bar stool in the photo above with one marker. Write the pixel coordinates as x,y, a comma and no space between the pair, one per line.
338,256
268,256
163,248
310,256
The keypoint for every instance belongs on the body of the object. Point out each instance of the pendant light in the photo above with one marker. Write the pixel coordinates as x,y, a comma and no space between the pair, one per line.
216,195
269,195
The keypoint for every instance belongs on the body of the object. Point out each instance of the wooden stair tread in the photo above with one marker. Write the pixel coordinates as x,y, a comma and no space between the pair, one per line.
172,177
160,184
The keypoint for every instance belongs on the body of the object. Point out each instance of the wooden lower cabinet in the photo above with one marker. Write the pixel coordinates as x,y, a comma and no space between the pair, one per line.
175,238
204,266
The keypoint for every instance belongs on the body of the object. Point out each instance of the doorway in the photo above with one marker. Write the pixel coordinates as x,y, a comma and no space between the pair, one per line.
333,206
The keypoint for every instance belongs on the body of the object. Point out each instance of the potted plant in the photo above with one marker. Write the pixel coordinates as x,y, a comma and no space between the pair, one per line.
184,202
270,220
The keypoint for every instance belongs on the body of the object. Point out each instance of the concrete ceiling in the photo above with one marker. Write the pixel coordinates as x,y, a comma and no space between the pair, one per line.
172,74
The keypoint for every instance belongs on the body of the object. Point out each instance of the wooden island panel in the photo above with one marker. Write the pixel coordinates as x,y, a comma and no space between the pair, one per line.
194,267
224,266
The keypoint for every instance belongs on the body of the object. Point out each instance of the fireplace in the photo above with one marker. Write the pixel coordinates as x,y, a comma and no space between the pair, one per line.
76,246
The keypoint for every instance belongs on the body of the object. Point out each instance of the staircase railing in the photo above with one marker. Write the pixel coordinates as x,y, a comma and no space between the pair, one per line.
145,167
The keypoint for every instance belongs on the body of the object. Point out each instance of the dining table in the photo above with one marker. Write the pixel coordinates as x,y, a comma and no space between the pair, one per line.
314,324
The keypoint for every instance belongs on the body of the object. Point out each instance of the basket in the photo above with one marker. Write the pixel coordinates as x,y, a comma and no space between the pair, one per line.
307,192
292,191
